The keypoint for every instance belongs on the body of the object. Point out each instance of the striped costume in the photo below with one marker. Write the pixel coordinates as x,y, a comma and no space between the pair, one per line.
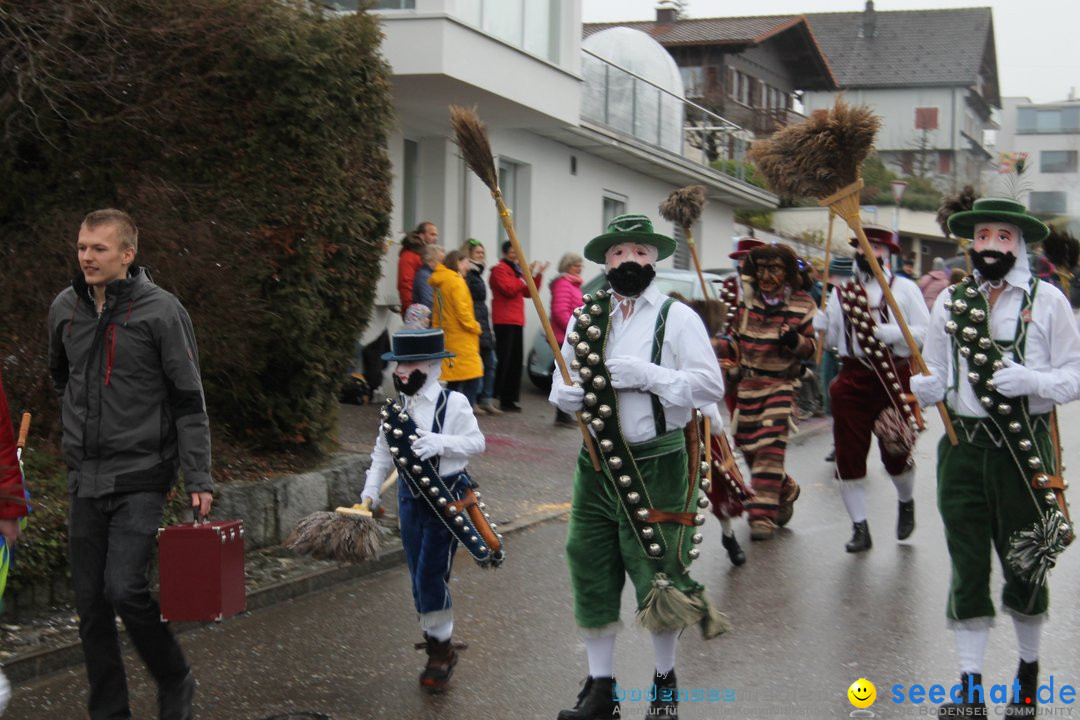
768,377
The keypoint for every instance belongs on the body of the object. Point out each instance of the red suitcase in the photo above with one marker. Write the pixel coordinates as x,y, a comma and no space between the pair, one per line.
201,568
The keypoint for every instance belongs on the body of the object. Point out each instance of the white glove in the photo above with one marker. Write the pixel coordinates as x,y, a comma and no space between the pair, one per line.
1015,380
568,398
927,389
429,444
889,333
628,373
821,322
371,494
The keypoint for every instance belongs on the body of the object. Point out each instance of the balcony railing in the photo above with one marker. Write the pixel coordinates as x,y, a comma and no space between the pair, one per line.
626,102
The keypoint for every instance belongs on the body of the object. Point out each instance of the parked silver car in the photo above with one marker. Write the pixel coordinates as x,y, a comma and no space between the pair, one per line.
684,282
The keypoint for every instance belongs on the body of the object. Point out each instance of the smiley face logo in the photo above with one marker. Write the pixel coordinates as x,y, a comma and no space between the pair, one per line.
862,693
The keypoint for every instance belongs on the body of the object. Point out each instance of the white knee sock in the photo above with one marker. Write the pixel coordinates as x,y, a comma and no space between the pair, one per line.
970,647
664,644
442,631
905,485
854,494
1028,634
725,526
601,652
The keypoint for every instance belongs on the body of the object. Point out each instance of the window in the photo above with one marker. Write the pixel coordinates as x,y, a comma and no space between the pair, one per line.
508,184
614,205
393,5
1050,120
528,24
681,259
693,80
944,162
410,173
1057,161
1047,202
926,118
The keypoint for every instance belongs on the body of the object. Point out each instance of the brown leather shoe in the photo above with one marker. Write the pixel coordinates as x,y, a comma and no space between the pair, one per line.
789,493
442,657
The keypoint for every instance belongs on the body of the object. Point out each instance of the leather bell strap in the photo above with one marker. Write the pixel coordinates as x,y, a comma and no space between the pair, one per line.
1056,484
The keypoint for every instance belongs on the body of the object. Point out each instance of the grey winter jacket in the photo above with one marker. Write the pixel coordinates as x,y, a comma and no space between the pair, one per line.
131,396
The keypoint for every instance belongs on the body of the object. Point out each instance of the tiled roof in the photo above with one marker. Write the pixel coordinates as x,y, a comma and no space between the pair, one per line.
908,48
706,31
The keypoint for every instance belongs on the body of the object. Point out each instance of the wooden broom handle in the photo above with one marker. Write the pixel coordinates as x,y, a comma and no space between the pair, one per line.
825,287
508,225
24,431
689,235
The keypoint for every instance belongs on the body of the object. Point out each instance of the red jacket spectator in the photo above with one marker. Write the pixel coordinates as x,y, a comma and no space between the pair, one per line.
11,480
408,262
508,293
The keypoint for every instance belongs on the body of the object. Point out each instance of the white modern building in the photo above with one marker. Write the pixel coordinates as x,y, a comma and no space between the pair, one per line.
1047,137
580,134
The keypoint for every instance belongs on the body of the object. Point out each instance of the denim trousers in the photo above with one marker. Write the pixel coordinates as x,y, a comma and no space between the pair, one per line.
429,553
469,388
111,542
487,387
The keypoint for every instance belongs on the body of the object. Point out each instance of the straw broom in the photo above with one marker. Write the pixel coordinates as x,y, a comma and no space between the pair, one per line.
825,286
822,157
683,207
472,138
346,535
951,204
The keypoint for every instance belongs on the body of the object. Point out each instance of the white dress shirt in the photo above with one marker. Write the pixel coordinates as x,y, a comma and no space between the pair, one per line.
688,376
460,431
1052,348
908,297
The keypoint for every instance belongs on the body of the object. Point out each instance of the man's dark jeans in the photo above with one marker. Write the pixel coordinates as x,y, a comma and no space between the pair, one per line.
111,541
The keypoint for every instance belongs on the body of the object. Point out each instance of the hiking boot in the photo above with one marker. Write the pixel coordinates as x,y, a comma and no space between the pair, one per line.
905,520
596,701
442,657
789,493
1026,705
734,551
666,702
565,419
174,701
860,538
965,708
761,528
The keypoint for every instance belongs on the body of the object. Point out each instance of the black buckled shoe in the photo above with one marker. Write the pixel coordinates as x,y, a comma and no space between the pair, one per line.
666,702
174,702
965,708
596,701
905,520
442,657
1026,705
860,539
789,493
734,550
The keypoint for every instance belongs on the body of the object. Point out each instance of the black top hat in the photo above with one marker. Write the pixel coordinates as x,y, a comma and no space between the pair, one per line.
417,345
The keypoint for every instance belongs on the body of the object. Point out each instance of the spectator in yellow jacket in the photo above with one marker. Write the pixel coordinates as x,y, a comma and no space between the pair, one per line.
453,312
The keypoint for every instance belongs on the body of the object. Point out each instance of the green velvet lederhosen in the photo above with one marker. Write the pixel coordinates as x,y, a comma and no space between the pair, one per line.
983,500
601,546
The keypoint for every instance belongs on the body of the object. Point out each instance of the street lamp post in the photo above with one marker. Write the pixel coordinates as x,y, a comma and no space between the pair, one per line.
898,188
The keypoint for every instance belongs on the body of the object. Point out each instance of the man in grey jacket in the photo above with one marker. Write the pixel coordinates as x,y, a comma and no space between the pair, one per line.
123,360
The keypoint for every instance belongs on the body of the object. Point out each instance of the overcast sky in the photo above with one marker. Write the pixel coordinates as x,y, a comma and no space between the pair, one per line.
1037,41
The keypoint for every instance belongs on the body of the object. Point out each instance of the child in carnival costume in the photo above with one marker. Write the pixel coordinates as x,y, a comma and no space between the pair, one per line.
870,395
13,509
641,363
430,433
1002,350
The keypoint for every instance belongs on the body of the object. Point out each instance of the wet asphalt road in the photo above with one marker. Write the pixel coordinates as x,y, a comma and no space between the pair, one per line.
808,618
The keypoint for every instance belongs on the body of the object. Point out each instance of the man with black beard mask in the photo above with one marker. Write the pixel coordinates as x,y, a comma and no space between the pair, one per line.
1002,350
870,395
426,538
641,363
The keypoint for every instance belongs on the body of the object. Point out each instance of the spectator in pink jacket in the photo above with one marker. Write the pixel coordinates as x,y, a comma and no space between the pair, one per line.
565,298
933,282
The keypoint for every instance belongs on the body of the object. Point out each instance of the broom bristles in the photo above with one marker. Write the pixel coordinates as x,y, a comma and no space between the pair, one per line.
820,155
683,206
331,536
472,138
954,203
